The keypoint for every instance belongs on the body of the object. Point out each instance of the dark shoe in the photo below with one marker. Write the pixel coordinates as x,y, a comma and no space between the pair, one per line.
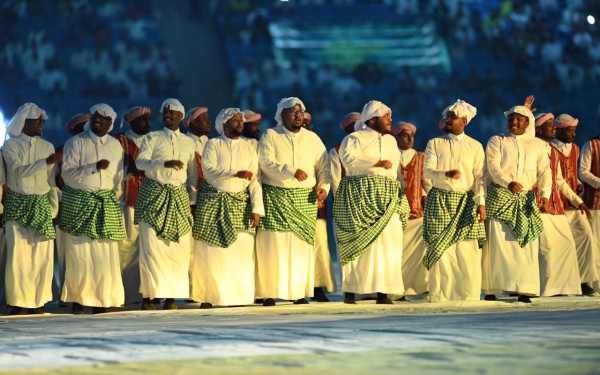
269,302
170,304
100,310
524,299
36,311
77,309
350,298
319,295
148,305
513,294
490,297
206,305
157,301
301,301
190,301
587,290
382,299
17,311
259,301
401,299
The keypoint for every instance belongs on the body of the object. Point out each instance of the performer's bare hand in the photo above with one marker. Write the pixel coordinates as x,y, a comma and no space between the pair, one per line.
193,210
51,159
247,175
544,205
585,210
102,164
453,174
384,164
579,190
529,102
300,175
255,220
175,164
515,187
321,194
481,213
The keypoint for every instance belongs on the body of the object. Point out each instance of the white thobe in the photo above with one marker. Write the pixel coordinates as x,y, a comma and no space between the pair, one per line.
285,261
2,241
30,255
507,266
93,272
252,141
586,175
457,274
225,276
379,268
164,264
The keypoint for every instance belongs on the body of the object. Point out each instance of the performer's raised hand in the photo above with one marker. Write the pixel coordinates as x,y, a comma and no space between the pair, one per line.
585,210
300,175
175,164
544,205
529,102
515,187
321,194
247,175
102,164
255,220
384,164
51,159
453,174
481,213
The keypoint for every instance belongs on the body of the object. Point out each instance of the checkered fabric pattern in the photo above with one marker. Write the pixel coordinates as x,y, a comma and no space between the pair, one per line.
450,217
362,208
30,211
220,216
166,208
95,215
518,211
290,209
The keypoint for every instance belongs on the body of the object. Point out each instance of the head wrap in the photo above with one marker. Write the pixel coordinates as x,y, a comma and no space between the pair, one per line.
462,109
287,103
174,105
28,111
565,121
224,116
370,110
193,114
104,110
307,116
350,119
397,129
522,110
251,116
134,113
76,120
541,118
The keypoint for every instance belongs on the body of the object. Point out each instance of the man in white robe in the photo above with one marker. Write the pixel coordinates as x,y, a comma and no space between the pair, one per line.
227,213
369,210
455,209
31,204
91,215
2,237
516,162
163,209
251,128
337,170
295,174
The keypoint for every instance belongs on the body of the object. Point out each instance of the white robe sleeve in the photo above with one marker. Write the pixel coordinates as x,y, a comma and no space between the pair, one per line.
478,174
335,166
493,157
353,157
544,173
323,169
255,189
268,162
72,170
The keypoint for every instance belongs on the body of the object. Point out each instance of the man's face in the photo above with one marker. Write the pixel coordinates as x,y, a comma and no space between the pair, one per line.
201,124
382,124
454,124
141,125
171,119
99,124
546,131
292,118
234,127
405,140
251,129
517,123
566,135
33,127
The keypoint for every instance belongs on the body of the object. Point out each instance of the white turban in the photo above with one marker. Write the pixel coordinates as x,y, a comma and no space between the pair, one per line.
224,116
522,110
174,105
106,111
461,109
370,110
287,103
28,111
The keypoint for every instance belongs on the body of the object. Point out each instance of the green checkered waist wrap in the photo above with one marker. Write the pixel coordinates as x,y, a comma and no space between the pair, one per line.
290,209
450,217
96,215
30,211
362,208
166,208
220,216
518,211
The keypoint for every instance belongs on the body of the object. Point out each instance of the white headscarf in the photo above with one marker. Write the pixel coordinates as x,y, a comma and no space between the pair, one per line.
106,111
174,105
372,109
462,109
224,116
287,103
530,131
28,111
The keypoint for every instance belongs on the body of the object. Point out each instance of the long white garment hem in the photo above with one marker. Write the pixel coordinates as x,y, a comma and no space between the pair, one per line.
93,275
285,266
164,265
324,273
29,266
559,271
129,256
587,246
379,269
224,276
506,266
414,274
456,276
